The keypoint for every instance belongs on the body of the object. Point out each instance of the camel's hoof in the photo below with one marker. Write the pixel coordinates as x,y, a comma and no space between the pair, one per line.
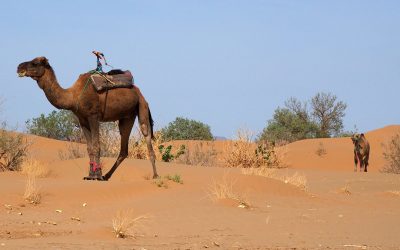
92,178
155,176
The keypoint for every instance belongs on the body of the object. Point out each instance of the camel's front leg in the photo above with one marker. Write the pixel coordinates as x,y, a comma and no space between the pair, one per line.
355,161
95,172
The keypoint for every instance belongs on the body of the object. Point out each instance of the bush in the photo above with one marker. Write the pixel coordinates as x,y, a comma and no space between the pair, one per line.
244,153
13,150
287,126
199,155
185,129
110,139
60,125
392,155
296,121
166,154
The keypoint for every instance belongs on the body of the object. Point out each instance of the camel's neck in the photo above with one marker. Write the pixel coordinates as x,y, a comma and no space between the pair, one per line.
57,96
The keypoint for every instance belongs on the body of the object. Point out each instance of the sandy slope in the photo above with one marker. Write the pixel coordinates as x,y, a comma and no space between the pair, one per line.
183,216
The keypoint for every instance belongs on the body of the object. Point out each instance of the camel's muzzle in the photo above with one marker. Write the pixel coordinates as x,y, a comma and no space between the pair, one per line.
22,73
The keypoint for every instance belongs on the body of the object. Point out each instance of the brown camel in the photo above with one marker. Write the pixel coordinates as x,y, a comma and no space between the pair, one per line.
361,151
91,108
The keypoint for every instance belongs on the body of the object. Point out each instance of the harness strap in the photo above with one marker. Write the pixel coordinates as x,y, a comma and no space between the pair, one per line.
95,166
85,87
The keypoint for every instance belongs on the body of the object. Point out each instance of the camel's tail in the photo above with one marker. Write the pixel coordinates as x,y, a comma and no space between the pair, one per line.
144,111
151,124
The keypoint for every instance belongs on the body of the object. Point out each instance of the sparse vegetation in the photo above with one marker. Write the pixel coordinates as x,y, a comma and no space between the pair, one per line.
298,180
35,168
240,153
224,189
392,155
74,151
13,150
175,178
394,192
186,129
166,154
198,156
124,223
345,189
32,192
60,125
243,153
161,182
321,151
262,171
109,139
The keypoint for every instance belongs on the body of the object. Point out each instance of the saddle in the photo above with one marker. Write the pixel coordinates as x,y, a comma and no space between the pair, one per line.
113,79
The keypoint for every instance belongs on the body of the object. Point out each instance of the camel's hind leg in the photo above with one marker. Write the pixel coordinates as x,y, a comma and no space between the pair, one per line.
146,131
366,158
125,128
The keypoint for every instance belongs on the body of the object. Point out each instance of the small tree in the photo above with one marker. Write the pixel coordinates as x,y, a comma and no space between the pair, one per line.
185,129
60,125
287,126
328,113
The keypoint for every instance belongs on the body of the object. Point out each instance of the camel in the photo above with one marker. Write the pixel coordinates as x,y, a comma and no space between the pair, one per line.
91,108
361,151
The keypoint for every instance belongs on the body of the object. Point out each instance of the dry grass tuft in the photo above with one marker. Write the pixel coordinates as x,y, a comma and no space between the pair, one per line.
13,149
394,192
161,182
124,223
240,152
243,152
298,180
321,151
392,155
199,156
262,171
32,192
74,151
345,189
224,189
35,168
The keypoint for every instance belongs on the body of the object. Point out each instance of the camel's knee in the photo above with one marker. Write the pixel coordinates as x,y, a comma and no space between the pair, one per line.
145,129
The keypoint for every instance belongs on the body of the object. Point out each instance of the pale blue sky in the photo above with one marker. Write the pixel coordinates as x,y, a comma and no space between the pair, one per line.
226,63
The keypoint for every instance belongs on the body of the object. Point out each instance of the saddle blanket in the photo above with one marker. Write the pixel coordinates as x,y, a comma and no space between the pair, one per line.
103,82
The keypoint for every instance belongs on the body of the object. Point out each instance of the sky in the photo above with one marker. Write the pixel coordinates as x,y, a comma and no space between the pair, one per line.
226,63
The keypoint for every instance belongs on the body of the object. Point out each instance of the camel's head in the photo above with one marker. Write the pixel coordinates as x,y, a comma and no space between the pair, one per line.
34,68
356,138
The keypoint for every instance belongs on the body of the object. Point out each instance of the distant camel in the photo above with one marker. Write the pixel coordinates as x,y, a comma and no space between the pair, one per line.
91,108
361,151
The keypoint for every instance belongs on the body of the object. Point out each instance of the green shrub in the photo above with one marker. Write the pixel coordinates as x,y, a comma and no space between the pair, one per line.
185,129
60,125
166,154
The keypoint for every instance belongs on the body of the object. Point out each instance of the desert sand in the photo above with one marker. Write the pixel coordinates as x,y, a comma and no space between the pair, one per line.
339,209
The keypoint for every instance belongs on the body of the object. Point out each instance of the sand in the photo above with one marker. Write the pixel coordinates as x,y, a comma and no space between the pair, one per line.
339,209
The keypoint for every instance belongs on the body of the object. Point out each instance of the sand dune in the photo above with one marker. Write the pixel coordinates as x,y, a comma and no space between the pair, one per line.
339,210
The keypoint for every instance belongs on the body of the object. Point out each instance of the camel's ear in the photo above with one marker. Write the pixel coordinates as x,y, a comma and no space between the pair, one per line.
43,60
